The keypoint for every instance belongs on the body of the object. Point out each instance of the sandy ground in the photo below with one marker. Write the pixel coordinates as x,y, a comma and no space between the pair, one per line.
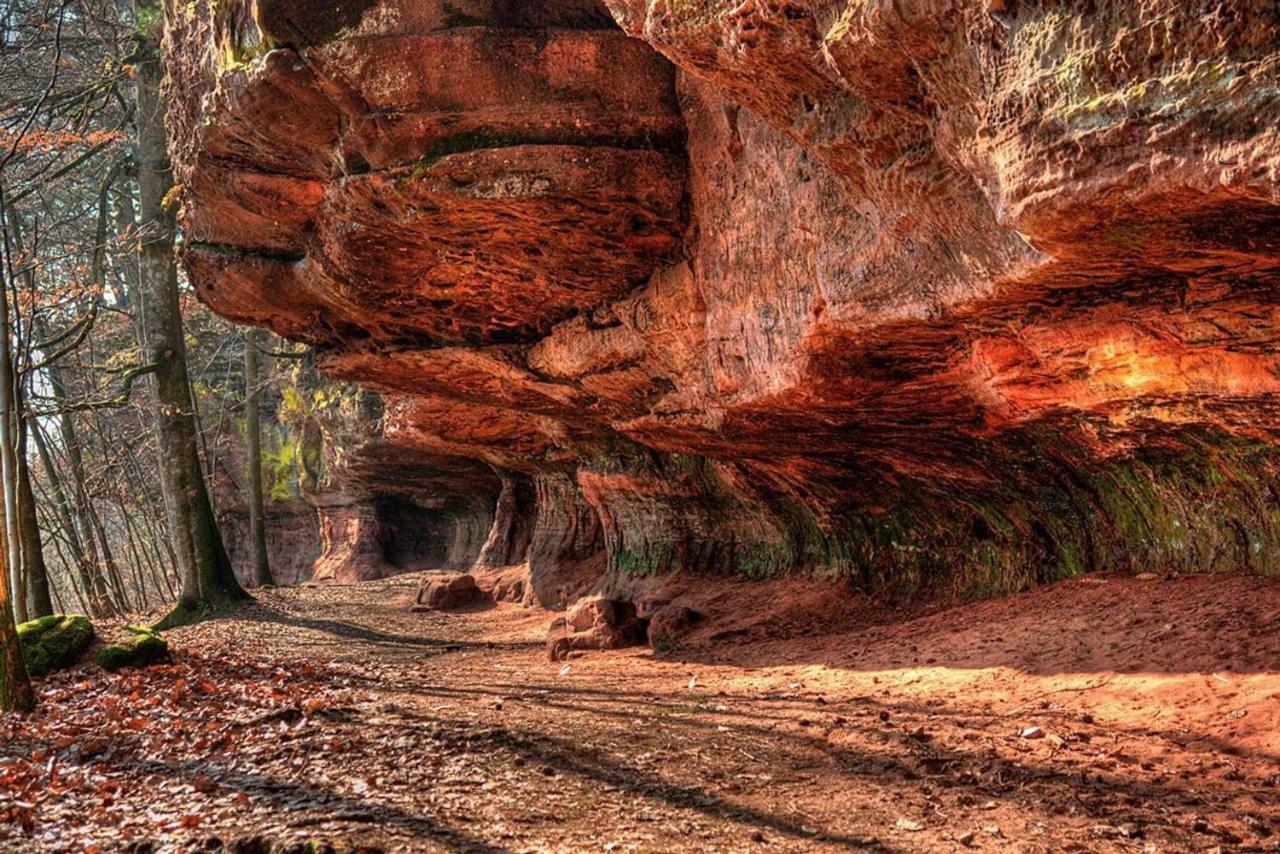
1102,714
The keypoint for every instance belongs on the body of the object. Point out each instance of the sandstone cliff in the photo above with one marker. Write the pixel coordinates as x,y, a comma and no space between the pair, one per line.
956,295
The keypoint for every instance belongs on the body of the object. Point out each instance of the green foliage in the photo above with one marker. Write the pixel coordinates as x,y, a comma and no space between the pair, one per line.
281,465
236,56
146,647
320,23
665,646
1202,505
149,20
696,13
762,559
294,407
54,642
1199,502
294,461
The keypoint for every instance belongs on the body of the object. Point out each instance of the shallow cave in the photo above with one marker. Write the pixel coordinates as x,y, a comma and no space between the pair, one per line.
414,537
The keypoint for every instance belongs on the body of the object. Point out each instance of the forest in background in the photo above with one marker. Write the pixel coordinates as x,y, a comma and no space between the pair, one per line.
132,419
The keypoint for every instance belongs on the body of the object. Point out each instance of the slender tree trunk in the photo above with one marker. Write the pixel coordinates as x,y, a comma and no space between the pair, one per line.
137,562
39,599
207,579
59,608
157,537
8,481
75,458
15,688
9,422
253,440
58,537
114,577
90,581
31,593
73,581
95,584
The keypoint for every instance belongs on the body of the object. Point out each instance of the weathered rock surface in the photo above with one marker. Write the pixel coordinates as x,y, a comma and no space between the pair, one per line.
293,543
595,622
444,592
954,295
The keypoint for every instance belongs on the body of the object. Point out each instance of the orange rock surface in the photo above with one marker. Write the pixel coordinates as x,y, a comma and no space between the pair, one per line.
955,296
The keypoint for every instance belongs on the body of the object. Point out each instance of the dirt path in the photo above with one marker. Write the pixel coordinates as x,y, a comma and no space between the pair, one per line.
1155,706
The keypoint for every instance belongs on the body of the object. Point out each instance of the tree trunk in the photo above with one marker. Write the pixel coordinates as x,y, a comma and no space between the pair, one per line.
15,688
253,441
39,600
75,458
112,570
22,525
9,423
207,580
99,603
8,482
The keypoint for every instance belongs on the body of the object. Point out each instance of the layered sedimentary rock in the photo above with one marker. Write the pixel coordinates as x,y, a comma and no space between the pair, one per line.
963,294
382,508
293,543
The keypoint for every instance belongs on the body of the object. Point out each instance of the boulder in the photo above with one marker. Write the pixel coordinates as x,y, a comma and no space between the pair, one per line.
54,642
504,583
446,592
595,622
144,647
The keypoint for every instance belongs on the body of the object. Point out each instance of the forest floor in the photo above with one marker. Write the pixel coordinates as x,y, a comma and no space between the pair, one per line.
1105,713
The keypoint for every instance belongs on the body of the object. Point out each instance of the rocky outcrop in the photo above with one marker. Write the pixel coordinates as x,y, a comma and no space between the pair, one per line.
950,294
293,543
595,622
446,592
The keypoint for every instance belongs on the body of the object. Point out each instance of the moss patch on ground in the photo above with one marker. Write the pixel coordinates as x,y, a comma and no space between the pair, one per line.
145,647
54,642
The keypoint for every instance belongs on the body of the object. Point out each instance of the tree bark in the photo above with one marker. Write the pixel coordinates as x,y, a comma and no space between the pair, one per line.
9,423
253,441
26,551
207,579
39,600
15,688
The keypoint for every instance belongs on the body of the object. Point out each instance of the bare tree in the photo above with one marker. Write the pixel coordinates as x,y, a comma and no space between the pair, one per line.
253,445
97,477
207,579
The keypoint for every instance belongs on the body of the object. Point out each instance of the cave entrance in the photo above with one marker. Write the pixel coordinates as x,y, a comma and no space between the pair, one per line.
414,537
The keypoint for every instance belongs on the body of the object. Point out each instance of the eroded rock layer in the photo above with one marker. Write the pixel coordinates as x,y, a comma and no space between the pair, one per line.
957,294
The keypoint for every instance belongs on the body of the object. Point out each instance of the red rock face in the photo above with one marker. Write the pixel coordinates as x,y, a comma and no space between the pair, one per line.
422,182
926,294
293,544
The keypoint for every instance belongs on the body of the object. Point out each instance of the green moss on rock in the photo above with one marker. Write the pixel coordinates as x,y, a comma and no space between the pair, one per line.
146,647
54,642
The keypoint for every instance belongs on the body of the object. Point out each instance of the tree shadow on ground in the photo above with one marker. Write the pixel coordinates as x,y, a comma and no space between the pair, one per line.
1105,796
305,800
356,632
